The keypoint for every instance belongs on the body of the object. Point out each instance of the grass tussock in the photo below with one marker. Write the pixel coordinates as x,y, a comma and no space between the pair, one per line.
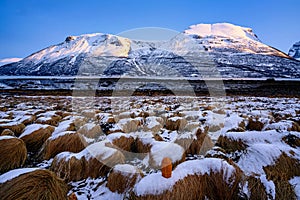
256,188
280,173
39,184
7,132
16,128
176,124
199,145
124,143
72,142
230,145
75,169
292,140
36,139
212,186
13,154
254,125
121,181
53,120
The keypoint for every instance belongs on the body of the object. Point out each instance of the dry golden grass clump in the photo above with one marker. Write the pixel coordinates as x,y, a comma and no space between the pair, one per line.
94,161
256,188
90,130
129,125
37,184
35,135
7,132
210,178
154,124
13,153
15,127
52,120
123,177
230,145
65,141
254,125
176,123
195,143
29,120
292,140
284,169
122,141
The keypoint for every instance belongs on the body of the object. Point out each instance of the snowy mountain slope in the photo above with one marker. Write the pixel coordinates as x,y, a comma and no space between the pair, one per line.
202,50
6,61
295,51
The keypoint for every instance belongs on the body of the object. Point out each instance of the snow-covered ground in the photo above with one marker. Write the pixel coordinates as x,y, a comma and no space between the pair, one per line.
259,130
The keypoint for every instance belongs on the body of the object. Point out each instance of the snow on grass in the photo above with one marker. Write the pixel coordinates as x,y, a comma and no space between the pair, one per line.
93,189
295,182
63,126
53,137
156,184
15,173
160,150
32,128
269,185
6,137
97,150
126,169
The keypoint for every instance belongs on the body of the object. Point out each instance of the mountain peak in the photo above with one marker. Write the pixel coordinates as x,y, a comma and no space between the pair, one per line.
222,30
295,51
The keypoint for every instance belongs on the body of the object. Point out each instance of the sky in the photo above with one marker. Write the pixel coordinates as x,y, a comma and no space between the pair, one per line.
27,26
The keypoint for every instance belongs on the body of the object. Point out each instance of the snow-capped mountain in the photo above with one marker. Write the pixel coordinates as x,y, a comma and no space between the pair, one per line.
207,50
6,61
295,51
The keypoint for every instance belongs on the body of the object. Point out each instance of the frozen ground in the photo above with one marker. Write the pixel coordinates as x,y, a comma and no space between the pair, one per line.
265,128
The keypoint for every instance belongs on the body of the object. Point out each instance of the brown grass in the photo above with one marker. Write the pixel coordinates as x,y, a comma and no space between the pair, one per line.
254,125
123,181
124,143
212,186
7,132
53,121
72,142
74,169
178,124
36,139
256,188
90,133
13,154
200,145
281,172
16,128
230,145
292,140
39,184
29,121
140,147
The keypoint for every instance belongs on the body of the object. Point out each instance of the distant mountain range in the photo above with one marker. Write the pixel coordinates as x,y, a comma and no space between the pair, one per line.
203,50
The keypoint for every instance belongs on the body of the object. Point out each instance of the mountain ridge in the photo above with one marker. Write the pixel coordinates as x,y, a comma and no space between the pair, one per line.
234,51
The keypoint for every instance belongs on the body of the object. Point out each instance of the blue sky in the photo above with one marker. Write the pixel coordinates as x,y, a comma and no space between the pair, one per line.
30,25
